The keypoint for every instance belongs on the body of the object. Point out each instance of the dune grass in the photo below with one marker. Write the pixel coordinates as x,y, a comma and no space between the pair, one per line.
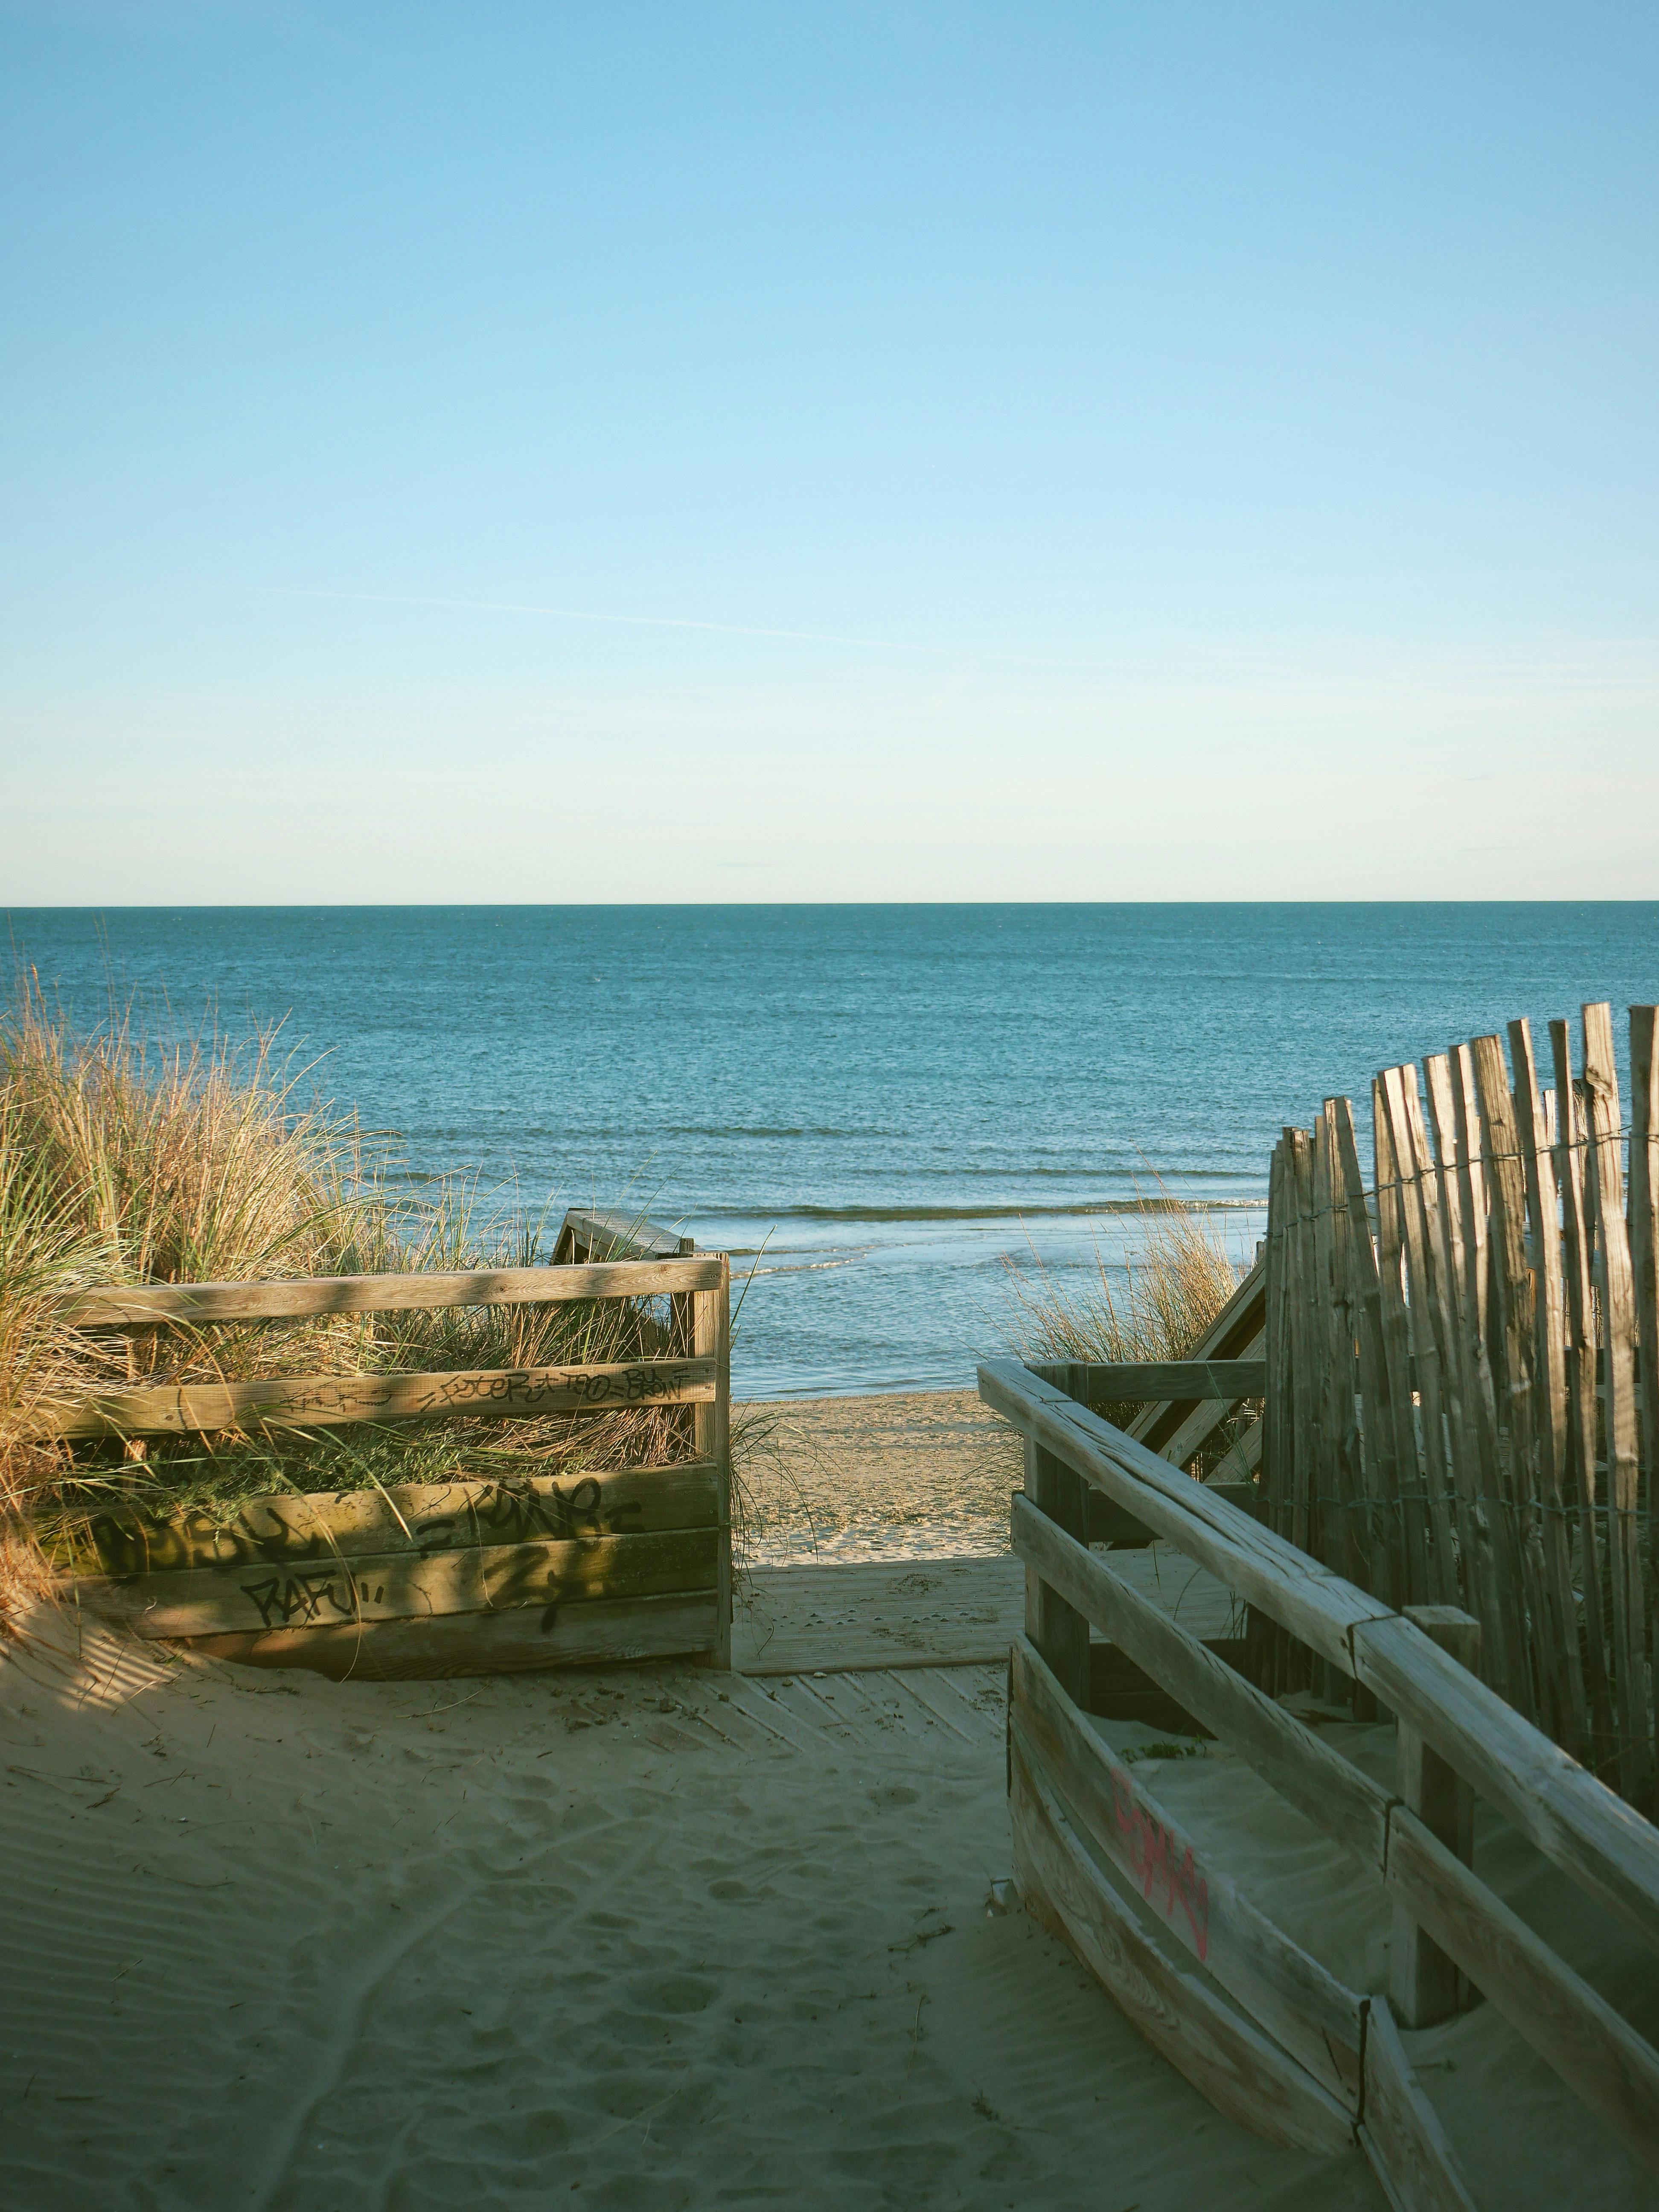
1159,1305
127,1161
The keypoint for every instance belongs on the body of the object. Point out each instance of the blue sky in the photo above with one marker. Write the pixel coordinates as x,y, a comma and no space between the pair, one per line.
534,452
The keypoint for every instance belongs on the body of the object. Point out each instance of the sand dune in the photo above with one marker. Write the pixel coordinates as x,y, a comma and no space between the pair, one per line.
647,1939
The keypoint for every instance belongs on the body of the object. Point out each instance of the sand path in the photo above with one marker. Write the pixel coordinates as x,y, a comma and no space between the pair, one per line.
649,1939
911,1475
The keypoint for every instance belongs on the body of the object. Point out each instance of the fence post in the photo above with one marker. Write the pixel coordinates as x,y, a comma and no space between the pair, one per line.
1423,1982
1059,1630
711,1338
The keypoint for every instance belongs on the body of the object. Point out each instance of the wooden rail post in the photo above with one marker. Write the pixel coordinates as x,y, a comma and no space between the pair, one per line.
1059,1630
1423,1982
711,1338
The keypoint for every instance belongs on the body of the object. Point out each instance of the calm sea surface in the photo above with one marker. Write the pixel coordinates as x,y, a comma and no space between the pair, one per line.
880,1101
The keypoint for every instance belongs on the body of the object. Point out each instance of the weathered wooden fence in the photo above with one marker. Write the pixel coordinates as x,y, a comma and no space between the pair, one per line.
456,1576
1451,1525
1463,1369
1271,2037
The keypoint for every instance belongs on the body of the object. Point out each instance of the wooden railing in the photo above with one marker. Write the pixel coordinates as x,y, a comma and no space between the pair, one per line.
616,1563
1295,2055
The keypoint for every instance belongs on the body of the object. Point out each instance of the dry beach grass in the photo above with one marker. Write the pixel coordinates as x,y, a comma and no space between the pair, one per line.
123,1162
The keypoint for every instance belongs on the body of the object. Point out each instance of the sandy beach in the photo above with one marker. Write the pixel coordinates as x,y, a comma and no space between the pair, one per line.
646,1939
917,1475
660,1937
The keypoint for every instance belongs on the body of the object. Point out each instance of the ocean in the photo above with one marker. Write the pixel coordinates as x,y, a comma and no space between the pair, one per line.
870,1107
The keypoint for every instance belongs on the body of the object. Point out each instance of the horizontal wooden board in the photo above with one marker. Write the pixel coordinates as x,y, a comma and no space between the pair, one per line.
1572,2029
1286,1993
416,1517
1233,1334
1603,1844
1402,2137
606,1631
1345,1803
865,1615
313,1402
405,1585
1240,2071
1317,1607
1107,1382
118,1306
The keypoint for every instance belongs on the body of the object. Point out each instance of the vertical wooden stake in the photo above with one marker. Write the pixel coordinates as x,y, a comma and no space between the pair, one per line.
711,1337
1059,1630
1423,1982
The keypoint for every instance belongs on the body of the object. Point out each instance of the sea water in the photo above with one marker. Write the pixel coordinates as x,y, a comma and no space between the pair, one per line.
871,1107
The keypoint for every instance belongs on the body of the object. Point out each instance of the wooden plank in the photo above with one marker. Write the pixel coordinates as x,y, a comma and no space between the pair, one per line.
1465,1412
855,1616
1607,1848
587,1235
1497,1499
604,1631
1402,2138
711,1340
1573,2030
1289,1995
1059,1630
1419,1584
1408,1158
1318,1608
1380,1450
1277,1429
1206,1418
1334,1328
1232,1333
1583,1411
1306,1386
1645,1237
1514,1338
1422,1979
140,1305
1337,1797
402,1585
313,1402
1549,1411
417,1516
1613,1279
1101,1382
876,1614
1237,1470
1244,2075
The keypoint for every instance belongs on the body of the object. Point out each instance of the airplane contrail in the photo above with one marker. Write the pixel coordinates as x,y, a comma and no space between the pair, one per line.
582,614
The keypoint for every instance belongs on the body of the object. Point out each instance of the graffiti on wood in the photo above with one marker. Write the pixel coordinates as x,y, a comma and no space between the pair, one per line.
1167,1872
294,1531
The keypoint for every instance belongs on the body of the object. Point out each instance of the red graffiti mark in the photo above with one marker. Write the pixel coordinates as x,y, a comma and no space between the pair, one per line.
1151,1855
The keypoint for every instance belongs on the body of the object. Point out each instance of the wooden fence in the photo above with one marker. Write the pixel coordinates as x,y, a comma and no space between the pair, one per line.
1269,2035
1463,1369
463,1576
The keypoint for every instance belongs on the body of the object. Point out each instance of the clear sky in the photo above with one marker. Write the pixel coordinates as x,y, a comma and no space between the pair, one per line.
518,450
